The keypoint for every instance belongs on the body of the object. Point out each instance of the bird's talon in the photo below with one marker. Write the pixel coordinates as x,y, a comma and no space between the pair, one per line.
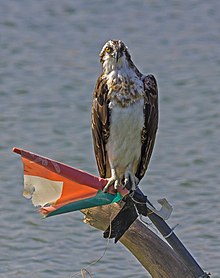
130,181
116,185
110,182
105,189
126,182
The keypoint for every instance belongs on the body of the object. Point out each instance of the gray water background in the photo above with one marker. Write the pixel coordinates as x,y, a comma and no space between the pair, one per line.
48,67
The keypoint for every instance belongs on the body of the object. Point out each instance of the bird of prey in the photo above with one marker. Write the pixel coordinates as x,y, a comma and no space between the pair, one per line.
124,117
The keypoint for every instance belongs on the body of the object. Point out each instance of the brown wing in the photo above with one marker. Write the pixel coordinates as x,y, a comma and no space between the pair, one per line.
100,126
150,124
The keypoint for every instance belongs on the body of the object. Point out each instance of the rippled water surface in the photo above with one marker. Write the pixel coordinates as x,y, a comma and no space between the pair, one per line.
48,67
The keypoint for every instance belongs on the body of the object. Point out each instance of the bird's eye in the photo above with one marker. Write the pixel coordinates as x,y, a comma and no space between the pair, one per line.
108,49
123,48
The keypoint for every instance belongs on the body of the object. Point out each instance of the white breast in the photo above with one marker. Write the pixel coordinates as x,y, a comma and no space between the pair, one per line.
124,144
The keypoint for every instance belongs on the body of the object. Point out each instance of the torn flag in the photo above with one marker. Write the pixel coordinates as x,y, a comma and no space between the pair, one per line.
58,188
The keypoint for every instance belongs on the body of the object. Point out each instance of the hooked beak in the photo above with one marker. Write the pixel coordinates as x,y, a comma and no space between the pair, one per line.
118,54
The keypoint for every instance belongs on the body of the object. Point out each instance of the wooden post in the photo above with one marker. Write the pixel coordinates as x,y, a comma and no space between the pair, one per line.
156,256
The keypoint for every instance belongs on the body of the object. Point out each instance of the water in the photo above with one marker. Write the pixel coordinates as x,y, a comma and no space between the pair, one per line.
48,67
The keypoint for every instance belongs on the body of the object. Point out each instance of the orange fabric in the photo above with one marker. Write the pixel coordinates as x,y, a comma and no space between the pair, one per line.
72,191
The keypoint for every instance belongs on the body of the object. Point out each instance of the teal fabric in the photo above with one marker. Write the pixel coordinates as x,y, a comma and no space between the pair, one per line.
100,199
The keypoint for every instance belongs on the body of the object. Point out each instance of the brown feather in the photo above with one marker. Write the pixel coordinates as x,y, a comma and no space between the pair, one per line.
100,126
150,124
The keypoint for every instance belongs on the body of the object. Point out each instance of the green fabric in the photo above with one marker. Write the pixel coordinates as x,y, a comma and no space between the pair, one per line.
100,199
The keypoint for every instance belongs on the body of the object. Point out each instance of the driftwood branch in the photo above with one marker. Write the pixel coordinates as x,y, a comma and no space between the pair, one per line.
156,256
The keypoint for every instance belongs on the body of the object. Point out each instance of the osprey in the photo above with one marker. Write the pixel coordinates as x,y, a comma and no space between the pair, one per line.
124,118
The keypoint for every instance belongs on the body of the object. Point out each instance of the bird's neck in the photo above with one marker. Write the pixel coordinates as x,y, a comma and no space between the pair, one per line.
124,83
110,65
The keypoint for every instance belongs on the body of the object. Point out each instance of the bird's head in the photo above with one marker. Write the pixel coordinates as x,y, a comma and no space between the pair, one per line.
114,53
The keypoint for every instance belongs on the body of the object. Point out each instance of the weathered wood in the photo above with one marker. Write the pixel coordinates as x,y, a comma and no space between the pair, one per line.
156,256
